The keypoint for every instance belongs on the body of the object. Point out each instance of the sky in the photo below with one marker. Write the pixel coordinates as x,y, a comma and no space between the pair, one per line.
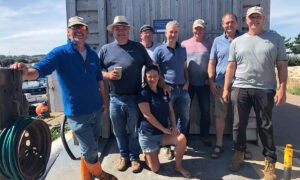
33,27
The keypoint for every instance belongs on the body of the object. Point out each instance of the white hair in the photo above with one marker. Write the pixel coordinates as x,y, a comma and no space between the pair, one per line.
172,23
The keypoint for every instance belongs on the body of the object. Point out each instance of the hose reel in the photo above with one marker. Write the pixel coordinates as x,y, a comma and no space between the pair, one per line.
25,147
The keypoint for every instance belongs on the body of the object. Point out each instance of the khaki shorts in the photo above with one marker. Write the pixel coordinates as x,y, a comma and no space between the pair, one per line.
219,105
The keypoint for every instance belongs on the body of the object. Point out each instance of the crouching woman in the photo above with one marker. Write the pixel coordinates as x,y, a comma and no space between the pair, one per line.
154,129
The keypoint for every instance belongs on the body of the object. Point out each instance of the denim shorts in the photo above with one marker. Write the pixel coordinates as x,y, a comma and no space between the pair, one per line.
149,143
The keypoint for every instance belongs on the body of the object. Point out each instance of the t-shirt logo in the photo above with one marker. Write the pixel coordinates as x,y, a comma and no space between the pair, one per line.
165,98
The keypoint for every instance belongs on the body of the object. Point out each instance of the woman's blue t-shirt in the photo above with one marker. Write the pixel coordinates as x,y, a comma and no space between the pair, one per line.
159,107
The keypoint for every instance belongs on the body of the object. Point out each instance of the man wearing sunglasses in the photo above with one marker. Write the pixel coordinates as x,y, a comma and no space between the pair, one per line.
81,83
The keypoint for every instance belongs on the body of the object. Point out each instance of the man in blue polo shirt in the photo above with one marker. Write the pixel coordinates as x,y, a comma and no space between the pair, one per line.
216,72
80,79
171,58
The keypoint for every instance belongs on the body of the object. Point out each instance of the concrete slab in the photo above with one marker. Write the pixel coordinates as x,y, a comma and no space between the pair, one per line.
196,159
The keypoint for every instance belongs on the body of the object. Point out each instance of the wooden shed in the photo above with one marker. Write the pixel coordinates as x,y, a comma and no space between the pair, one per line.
100,13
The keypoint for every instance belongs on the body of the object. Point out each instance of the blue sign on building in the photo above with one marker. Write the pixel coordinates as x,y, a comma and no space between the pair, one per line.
159,25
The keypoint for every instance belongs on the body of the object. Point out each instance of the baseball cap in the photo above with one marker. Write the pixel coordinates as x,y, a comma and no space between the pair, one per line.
76,20
199,23
255,9
146,27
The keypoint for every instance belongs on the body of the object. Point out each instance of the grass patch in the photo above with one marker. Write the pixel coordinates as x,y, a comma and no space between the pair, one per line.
55,131
295,91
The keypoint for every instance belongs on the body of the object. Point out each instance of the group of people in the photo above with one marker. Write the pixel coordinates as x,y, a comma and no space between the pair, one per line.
150,98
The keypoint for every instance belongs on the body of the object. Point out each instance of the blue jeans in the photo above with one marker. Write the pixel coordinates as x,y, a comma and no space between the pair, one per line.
124,112
181,102
203,94
87,130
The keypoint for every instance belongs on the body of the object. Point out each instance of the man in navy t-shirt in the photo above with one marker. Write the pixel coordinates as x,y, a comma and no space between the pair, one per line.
123,60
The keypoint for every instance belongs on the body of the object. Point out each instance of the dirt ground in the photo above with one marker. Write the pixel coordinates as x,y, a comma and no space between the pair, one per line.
56,118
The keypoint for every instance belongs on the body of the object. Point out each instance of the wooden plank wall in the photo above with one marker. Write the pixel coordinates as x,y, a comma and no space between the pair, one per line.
100,13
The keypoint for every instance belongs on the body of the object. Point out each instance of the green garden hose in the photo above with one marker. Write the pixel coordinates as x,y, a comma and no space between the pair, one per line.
25,147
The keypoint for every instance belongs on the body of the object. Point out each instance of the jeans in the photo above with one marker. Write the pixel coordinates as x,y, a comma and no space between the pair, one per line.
181,102
124,112
203,94
87,130
262,101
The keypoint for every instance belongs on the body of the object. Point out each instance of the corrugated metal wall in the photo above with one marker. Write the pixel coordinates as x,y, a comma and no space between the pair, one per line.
100,13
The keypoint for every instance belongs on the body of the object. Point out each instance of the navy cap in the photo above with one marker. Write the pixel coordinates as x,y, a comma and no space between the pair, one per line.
146,27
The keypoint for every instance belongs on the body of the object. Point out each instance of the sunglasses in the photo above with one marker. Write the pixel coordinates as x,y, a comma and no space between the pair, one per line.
78,26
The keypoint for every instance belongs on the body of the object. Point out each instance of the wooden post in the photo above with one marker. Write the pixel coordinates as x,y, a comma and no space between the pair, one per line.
12,101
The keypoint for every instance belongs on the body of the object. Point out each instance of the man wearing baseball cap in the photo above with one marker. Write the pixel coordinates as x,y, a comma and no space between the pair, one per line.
252,60
146,35
81,82
198,49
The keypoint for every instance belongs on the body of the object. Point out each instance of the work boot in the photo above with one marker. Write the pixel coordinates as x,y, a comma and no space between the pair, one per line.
123,164
136,166
84,172
96,170
236,161
269,170
167,153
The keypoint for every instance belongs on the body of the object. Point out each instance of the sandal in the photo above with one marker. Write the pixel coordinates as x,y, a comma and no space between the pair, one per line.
216,152
247,155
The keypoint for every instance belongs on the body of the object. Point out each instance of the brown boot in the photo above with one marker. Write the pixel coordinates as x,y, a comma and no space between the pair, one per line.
136,166
96,170
123,164
84,172
269,170
236,161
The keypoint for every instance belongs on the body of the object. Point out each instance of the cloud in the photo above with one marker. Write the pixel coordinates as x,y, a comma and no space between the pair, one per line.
6,12
27,34
32,27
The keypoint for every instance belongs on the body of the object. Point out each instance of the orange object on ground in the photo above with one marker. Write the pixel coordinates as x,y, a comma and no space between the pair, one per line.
42,107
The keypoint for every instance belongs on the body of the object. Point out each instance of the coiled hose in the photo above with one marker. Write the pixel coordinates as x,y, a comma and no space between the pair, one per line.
25,146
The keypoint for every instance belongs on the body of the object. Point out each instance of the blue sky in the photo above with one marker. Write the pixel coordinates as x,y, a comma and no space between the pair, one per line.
33,27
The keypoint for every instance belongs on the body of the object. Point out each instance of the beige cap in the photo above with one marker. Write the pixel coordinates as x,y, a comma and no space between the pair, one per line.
199,23
76,20
119,21
255,9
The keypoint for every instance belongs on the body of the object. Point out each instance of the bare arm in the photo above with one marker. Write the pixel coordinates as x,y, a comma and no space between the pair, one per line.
27,73
280,96
145,109
230,71
186,76
172,117
211,76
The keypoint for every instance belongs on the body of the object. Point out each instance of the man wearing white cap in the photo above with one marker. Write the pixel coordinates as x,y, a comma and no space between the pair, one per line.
124,112
80,79
198,49
252,60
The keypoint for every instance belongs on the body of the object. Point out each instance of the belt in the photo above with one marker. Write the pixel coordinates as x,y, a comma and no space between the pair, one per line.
175,85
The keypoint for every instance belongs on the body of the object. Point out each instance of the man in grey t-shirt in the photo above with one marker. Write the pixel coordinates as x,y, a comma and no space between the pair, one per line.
252,60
